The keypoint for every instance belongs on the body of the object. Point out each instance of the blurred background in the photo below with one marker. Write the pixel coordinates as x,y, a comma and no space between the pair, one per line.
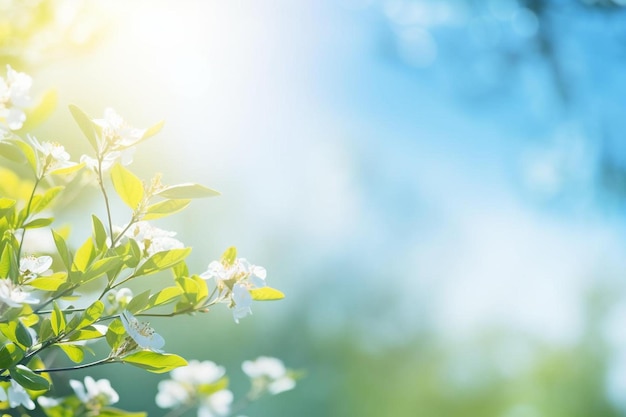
438,186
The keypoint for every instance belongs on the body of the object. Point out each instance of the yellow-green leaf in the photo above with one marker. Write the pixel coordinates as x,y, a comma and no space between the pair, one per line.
128,186
188,190
165,208
74,352
157,363
266,294
57,319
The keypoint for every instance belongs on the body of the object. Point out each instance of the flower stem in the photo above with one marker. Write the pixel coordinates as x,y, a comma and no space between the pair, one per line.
73,368
28,208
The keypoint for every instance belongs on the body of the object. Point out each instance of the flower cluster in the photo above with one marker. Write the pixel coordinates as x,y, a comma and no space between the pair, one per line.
115,142
36,281
235,278
14,98
269,374
199,384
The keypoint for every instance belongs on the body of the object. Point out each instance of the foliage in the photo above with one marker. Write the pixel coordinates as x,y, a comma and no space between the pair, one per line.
43,304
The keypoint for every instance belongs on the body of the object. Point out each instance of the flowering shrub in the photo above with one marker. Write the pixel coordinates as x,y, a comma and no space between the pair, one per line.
43,306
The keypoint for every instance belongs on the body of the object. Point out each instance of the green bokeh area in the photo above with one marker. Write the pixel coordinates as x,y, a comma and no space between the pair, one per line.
436,186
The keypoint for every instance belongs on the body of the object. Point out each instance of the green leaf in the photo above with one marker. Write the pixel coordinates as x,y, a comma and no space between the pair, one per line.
42,201
28,379
157,363
6,204
128,186
165,208
162,260
10,354
153,130
266,294
57,319
64,253
37,223
185,191
45,329
74,352
190,292
11,152
180,270
16,332
49,283
68,169
100,267
90,315
84,255
5,260
115,333
138,302
26,150
229,256
86,333
86,125
99,232
163,297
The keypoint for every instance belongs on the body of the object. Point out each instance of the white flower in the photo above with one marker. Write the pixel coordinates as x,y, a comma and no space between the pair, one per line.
124,295
52,155
14,98
245,276
152,239
116,133
47,402
33,266
198,373
172,394
18,396
142,333
243,300
95,393
184,386
272,371
14,295
216,405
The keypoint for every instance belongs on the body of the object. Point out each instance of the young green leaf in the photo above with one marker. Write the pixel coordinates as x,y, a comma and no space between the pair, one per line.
115,334
10,354
37,223
186,191
162,260
91,314
26,150
74,352
163,297
157,363
86,125
100,267
138,302
84,255
165,208
64,253
50,282
128,186
266,294
57,319
229,256
99,232
28,379
42,201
